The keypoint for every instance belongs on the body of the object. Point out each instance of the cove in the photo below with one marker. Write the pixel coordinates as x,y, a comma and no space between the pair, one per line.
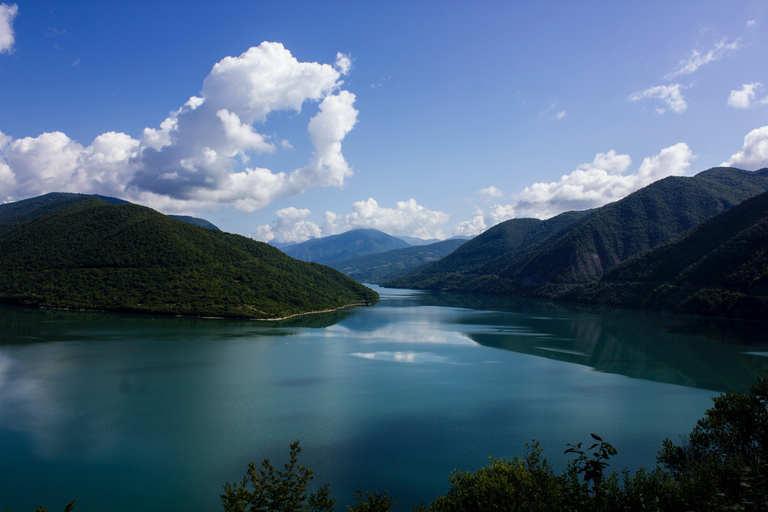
156,413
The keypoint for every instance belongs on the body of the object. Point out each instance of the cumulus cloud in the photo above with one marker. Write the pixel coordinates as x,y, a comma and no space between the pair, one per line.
754,152
483,219
196,158
600,182
291,226
670,94
7,37
698,59
745,97
406,218
489,193
591,185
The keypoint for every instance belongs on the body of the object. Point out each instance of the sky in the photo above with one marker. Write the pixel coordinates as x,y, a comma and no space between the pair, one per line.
285,121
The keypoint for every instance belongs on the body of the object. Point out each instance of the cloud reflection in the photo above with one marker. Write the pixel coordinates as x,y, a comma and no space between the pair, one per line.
402,357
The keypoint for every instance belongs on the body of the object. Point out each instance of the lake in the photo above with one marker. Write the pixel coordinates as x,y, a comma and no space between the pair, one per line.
157,413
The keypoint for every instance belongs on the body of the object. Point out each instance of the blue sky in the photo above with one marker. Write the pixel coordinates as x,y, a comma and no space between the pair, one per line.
288,120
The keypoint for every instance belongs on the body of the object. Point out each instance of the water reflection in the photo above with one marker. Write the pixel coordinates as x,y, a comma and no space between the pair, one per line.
715,354
392,396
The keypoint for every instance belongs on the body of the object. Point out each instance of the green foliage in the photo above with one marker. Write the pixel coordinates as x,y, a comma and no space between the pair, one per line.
373,502
724,464
504,485
267,489
95,255
593,468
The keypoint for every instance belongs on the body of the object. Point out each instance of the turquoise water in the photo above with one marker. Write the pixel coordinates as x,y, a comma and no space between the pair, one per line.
156,413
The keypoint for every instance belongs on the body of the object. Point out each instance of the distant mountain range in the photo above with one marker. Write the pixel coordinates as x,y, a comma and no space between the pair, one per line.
85,252
352,244
379,267
553,258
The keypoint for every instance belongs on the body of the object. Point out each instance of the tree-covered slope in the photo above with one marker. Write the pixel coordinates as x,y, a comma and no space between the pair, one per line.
13,215
498,241
584,250
719,268
96,255
388,265
354,243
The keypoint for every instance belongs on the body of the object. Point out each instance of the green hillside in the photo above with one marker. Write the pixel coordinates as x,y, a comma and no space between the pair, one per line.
500,240
584,250
13,215
96,255
351,244
718,268
388,265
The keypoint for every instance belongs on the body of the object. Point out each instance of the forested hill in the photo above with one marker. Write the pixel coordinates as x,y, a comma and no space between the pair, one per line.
582,251
12,215
97,255
500,240
720,267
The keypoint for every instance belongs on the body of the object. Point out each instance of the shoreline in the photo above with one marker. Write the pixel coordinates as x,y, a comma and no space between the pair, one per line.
310,312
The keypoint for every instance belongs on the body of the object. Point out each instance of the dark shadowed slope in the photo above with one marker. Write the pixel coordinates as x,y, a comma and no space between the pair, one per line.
720,267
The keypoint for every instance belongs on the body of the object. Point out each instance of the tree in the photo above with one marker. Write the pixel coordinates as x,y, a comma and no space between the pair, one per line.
274,490
724,463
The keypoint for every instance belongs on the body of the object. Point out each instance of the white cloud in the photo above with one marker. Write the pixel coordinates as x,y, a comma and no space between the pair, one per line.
670,94
745,97
7,37
196,158
754,152
488,193
591,185
472,227
406,218
697,59
601,182
291,226
751,23
560,115
482,220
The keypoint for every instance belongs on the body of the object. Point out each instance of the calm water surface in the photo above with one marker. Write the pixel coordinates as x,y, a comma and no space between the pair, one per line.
154,413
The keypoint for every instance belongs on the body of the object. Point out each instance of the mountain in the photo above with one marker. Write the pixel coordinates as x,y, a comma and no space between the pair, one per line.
412,240
195,221
583,250
387,265
720,267
354,243
15,214
498,241
96,255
